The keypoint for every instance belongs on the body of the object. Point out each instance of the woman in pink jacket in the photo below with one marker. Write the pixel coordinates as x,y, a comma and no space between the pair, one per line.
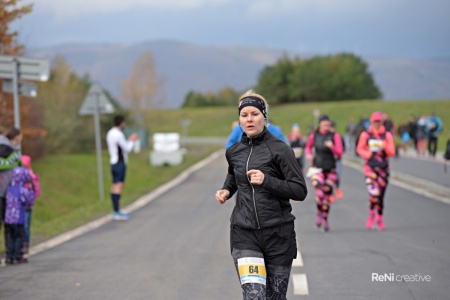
376,145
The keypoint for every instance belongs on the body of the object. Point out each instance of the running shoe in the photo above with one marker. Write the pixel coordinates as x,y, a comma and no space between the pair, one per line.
380,223
22,260
120,216
124,214
326,226
319,220
370,219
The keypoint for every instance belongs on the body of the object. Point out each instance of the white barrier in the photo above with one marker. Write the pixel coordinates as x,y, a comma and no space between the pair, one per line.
166,149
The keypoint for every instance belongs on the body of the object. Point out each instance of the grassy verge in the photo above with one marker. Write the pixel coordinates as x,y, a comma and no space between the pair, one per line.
70,188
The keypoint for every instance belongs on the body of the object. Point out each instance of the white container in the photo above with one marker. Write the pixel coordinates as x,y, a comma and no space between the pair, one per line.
166,142
173,158
166,150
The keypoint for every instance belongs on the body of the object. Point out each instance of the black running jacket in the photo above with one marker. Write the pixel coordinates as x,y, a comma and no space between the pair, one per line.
266,205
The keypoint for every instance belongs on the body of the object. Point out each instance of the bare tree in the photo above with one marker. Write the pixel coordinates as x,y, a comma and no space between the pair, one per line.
142,89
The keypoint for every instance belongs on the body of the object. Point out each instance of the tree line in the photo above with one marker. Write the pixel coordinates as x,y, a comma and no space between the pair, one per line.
224,97
342,76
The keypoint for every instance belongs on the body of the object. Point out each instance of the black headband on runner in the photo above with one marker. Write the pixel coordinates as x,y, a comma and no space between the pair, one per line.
253,101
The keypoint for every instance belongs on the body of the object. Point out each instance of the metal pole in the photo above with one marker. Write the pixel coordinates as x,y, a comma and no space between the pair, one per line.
16,93
98,146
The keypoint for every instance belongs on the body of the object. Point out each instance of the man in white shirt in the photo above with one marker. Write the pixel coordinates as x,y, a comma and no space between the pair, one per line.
118,147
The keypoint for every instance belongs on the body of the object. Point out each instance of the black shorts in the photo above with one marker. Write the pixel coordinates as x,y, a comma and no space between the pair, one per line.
278,244
118,171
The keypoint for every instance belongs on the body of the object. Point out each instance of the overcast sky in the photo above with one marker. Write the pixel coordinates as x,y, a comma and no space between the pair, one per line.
395,28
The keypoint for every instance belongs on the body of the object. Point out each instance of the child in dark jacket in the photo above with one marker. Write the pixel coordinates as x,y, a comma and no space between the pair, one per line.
18,196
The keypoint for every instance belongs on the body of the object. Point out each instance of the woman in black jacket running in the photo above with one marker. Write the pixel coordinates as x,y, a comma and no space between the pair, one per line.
264,172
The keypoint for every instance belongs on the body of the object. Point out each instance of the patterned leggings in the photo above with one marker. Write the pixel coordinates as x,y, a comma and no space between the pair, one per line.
324,183
376,182
277,280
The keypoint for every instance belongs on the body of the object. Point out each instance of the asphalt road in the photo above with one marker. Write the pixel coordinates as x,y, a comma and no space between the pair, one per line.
177,247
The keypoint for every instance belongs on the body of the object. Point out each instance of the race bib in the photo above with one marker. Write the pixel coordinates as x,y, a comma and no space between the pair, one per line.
252,270
298,152
375,145
312,171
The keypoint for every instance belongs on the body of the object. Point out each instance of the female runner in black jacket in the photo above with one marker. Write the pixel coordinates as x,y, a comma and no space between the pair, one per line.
265,174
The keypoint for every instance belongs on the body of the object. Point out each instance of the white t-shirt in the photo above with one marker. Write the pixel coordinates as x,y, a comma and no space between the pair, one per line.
118,146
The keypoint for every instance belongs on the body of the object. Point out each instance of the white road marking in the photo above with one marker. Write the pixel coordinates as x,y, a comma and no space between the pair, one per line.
299,281
300,284
298,262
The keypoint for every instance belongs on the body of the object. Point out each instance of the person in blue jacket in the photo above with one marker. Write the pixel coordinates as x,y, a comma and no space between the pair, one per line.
433,128
236,134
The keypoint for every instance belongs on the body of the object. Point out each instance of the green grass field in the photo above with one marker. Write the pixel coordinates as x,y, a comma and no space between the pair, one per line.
69,182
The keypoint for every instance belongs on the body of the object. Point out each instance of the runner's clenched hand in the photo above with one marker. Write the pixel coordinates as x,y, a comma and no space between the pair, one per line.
222,196
255,177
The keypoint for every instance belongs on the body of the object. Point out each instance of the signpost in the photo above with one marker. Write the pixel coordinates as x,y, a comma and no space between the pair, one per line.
15,68
97,102
28,89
